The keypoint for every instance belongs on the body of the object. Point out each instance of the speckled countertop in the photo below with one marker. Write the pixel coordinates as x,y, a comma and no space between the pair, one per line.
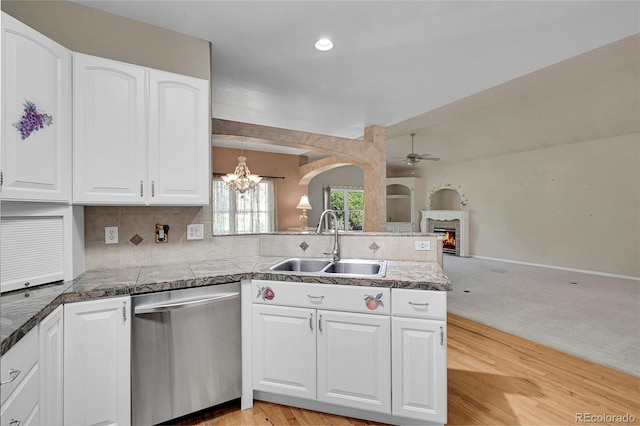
22,310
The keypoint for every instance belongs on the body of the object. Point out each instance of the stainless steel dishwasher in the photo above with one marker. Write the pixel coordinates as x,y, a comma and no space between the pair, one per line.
185,352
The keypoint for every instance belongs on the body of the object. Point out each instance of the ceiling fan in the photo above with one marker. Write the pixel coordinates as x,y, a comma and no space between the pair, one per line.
412,158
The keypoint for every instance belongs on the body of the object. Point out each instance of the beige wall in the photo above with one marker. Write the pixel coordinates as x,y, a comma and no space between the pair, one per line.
94,32
574,206
288,190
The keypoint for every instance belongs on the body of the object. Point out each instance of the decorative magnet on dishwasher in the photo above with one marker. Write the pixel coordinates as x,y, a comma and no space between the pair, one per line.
162,233
266,293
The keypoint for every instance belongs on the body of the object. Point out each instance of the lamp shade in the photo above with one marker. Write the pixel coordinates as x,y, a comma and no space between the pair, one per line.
304,203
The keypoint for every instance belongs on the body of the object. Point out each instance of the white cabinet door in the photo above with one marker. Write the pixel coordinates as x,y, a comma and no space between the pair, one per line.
20,373
354,360
178,139
51,333
97,342
109,150
35,162
284,350
419,369
22,407
141,136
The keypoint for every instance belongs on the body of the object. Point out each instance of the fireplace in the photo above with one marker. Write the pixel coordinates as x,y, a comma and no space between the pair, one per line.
458,220
449,241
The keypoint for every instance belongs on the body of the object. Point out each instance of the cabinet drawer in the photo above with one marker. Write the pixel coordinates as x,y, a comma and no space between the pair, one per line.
22,405
22,357
371,300
419,303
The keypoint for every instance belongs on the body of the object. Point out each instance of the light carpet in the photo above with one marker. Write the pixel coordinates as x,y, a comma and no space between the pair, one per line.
594,317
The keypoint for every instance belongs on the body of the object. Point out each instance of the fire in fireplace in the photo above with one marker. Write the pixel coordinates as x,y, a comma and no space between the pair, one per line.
449,241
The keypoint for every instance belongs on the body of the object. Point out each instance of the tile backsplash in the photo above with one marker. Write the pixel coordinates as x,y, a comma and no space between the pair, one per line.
140,222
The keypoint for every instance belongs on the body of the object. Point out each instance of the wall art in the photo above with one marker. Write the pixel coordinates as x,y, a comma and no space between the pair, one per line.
32,120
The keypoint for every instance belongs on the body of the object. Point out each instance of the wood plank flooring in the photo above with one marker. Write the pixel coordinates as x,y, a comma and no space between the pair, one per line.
495,378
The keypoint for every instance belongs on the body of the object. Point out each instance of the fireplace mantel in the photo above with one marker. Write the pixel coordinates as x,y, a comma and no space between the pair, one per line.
461,215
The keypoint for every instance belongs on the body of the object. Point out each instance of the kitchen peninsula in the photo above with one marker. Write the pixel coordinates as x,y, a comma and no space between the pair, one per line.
27,314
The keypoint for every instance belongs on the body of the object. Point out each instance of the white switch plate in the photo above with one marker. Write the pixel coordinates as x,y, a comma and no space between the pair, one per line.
423,245
195,231
111,235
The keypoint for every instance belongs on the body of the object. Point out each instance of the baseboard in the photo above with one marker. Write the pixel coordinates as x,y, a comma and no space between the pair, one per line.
539,265
322,407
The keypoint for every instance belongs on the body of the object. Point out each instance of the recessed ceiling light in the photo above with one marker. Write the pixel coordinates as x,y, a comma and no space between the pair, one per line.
324,44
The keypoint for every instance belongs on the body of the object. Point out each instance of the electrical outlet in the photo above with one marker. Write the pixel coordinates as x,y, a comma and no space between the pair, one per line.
423,245
111,235
195,231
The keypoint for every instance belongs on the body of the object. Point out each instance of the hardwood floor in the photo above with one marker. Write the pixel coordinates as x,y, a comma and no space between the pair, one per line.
495,378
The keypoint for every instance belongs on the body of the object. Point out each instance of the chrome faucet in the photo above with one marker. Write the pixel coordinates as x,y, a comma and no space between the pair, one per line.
335,253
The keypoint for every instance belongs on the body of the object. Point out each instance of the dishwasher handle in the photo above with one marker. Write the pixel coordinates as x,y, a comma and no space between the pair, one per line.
164,307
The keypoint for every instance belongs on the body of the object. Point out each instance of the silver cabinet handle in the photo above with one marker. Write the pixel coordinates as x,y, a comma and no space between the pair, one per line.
441,336
315,297
124,311
153,188
311,321
13,374
1,178
418,303
320,323
163,307
14,422
141,188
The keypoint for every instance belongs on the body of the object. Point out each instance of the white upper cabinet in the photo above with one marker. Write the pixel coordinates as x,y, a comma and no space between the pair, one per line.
141,136
35,159
109,151
178,139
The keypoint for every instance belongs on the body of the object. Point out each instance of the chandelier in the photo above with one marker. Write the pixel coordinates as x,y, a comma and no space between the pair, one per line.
241,179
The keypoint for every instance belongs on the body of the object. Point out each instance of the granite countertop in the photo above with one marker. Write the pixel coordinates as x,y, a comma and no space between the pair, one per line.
22,310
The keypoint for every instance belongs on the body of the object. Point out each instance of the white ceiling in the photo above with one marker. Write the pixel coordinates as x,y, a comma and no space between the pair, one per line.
424,66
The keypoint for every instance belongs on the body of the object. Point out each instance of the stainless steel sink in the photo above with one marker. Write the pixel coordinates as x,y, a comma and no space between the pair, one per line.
357,267
301,264
352,268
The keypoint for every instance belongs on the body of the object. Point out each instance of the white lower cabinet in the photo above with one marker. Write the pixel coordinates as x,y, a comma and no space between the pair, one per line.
419,368
51,336
374,350
32,370
335,357
97,342
21,382
284,350
353,360
331,356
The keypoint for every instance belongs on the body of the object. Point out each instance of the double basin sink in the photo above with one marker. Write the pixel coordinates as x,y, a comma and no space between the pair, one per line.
351,268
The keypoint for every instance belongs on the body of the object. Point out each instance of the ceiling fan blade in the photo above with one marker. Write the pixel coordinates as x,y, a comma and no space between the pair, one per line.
412,158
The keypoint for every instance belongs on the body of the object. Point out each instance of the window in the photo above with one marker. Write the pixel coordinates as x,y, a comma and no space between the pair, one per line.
349,207
249,213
